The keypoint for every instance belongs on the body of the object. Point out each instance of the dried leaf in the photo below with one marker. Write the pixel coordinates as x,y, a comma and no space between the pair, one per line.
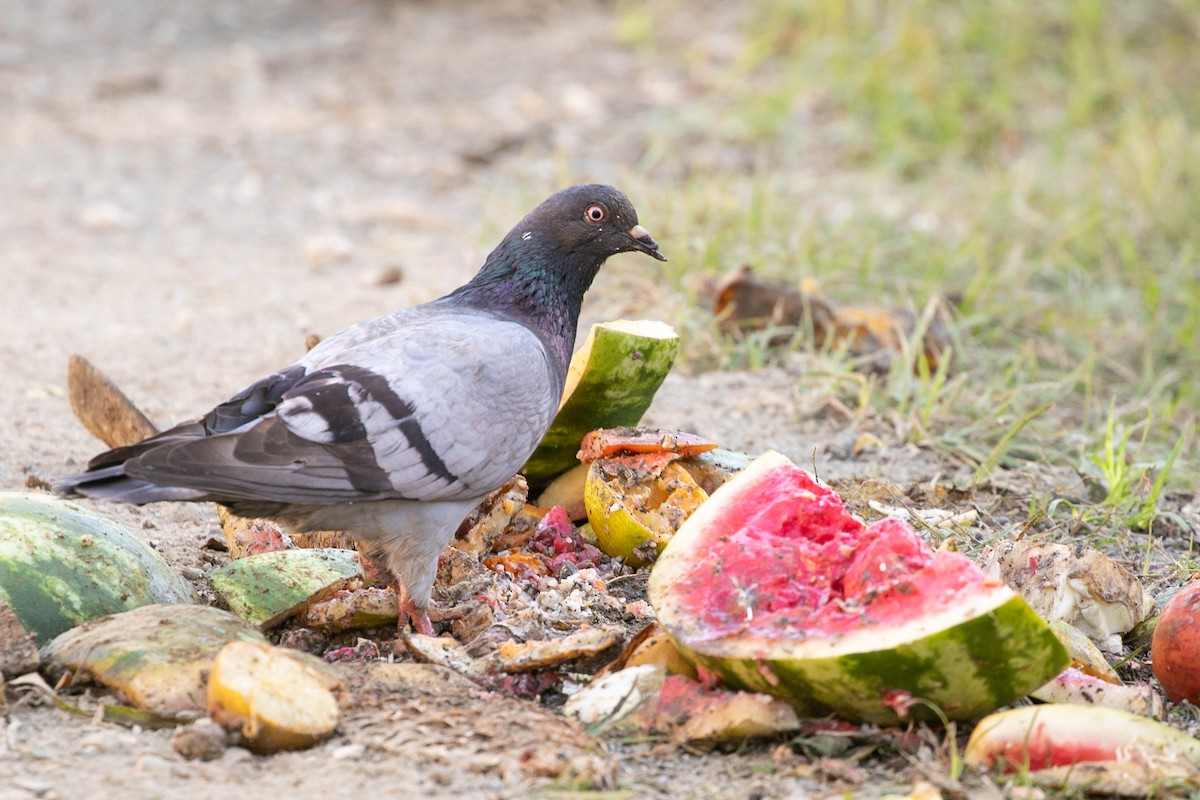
104,409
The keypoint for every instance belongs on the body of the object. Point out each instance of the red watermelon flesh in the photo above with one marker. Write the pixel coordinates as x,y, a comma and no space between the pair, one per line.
1059,735
798,563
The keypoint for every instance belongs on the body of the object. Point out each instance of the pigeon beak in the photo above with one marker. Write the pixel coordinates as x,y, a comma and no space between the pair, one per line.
644,242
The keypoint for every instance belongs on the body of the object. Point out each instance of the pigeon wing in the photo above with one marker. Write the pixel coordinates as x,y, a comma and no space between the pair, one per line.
436,406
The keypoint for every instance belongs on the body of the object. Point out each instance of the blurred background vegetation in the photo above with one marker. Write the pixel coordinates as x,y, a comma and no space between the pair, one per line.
1038,161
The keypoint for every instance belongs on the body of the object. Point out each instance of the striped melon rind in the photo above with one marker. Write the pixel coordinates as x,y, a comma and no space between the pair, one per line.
610,382
61,566
982,651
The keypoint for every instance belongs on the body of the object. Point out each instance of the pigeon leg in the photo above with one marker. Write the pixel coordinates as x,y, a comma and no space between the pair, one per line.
410,538
409,611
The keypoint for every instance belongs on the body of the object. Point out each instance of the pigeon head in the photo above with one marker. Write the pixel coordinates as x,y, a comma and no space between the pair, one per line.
589,220
544,265
540,271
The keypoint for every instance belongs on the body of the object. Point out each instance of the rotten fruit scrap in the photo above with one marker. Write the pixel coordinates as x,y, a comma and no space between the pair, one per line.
653,645
1079,688
277,699
104,410
774,586
635,495
156,657
267,588
18,653
1085,655
1080,586
646,699
543,653
1175,649
606,442
634,509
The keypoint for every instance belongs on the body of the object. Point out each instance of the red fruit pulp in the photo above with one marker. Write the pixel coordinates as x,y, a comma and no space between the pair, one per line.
792,559
1175,647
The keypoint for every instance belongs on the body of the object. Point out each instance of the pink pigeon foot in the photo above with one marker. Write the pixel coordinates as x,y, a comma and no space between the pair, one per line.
408,611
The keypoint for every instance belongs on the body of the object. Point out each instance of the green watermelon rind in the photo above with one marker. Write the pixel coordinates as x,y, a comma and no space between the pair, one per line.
54,579
968,660
957,669
264,589
627,363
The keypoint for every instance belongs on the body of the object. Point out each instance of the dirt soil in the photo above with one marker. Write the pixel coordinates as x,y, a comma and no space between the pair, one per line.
190,189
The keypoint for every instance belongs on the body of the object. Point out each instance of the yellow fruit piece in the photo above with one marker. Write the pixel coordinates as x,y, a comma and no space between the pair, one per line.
634,512
1085,655
567,491
278,701
657,647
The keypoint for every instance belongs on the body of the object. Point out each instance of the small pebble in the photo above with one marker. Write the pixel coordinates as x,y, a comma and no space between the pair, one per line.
216,542
151,764
107,740
34,786
389,276
348,752
327,248
192,573
203,740
580,102
103,217
237,755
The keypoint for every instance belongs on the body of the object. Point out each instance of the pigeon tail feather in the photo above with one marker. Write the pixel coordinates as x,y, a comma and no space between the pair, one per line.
111,483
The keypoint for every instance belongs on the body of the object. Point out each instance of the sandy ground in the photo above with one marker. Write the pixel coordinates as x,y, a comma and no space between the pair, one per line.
189,189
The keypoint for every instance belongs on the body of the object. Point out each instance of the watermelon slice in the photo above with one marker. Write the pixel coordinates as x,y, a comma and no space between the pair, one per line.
774,586
1102,750
611,381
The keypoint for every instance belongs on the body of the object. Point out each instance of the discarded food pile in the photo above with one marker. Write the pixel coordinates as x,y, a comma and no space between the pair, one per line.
657,585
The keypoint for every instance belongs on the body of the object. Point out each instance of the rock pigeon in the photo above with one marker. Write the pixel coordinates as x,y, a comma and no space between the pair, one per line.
392,430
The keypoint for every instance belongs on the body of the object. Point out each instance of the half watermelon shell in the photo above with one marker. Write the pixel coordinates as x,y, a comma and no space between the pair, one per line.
775,587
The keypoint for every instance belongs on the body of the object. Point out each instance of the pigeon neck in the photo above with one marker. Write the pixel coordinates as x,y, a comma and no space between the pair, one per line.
540,288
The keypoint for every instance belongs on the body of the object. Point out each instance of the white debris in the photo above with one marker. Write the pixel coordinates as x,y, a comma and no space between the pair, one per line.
941,518
1079,586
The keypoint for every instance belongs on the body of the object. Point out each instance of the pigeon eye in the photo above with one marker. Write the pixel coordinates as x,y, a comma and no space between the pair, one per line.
595,213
